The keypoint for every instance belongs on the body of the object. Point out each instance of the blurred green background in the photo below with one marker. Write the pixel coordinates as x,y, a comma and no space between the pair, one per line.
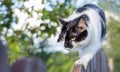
27,25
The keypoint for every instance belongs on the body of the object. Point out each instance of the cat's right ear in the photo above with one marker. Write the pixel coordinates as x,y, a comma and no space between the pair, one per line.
62,21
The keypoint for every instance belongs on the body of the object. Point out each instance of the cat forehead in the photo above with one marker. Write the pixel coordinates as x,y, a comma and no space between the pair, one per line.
76,15
74,22
73,16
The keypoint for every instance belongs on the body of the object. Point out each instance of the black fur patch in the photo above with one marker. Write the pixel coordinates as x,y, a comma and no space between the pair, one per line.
100,12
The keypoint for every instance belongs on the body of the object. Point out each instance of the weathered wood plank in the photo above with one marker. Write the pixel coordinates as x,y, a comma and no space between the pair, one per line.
28,64
97,64
4,66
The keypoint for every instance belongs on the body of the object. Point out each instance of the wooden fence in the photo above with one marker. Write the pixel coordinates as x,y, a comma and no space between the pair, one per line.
29,64
4,66
97,64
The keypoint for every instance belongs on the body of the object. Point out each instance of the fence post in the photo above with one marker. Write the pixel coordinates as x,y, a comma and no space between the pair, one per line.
4,66
28,64
97,64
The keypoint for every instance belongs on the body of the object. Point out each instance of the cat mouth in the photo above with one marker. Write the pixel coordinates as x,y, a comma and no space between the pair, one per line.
69,49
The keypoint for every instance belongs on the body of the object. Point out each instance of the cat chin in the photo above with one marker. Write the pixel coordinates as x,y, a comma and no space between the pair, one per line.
77,45
69,49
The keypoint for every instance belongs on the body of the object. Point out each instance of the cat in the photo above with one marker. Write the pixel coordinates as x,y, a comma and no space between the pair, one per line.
79,27
85,31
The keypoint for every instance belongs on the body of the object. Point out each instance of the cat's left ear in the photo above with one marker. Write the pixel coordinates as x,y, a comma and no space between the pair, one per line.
62,21
85,17
82,23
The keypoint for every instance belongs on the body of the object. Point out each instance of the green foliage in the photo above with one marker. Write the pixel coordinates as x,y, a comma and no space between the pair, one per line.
6,18
113,31
113,50
21,41
58,61
62,61
111,5
116,66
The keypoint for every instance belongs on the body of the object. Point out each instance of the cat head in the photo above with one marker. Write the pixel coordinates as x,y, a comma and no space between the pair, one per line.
73,31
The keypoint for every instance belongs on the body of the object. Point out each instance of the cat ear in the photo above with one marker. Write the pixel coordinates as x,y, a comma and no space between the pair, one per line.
82,24
62,21
85,17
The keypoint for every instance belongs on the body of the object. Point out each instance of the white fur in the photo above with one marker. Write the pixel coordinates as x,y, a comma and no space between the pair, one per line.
88,48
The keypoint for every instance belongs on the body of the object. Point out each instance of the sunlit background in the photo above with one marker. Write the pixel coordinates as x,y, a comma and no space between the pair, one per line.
30,28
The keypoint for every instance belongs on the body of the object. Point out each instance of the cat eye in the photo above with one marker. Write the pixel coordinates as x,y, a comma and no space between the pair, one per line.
81,27
73,39
82,22
61,39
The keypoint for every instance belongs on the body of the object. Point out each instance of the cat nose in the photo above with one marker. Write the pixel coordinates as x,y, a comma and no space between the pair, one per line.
68,45
58,40
65,45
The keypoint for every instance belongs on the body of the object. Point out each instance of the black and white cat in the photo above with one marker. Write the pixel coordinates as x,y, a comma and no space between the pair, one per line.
84,30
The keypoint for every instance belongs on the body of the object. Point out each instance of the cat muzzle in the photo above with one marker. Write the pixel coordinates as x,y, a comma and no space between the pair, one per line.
68,45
